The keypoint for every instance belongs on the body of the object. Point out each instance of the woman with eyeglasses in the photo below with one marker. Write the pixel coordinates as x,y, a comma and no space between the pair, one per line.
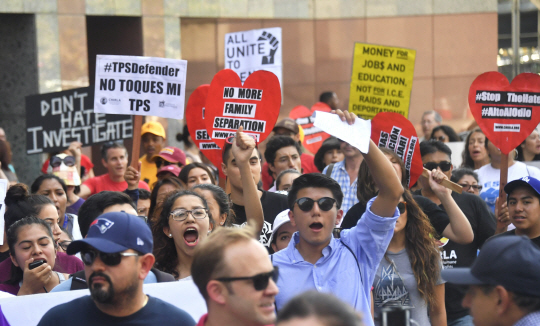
467,179
444,133
33,254
489,175
409,274
184,222
475,153
53,187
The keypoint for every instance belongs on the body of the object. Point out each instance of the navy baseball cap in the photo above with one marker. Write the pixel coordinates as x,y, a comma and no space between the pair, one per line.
116,232
525,181
509,260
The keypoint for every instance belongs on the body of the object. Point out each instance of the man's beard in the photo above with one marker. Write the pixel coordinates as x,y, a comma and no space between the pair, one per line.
109,296
98,293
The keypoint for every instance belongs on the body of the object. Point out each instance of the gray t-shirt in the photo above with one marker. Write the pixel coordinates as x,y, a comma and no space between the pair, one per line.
395,285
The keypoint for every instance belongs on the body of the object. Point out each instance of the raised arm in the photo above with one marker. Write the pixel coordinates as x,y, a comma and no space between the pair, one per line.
242,150
459,229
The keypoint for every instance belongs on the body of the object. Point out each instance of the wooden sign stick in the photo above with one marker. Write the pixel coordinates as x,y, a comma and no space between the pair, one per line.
503,178
135,149
446,183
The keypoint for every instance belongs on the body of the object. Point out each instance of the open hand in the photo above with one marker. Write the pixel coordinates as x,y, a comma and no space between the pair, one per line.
345,116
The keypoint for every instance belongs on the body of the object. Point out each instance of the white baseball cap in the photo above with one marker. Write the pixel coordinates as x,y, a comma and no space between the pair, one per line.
281,219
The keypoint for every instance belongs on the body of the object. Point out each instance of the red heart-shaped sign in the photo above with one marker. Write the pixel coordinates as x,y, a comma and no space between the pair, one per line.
254,105
506,113
395,132
313,136
195,111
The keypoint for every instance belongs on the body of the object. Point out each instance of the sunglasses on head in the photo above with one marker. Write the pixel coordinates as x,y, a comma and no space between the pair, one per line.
89,256
402,206
306,203
260,281
467,187
57,161
440,138
444,165
161,162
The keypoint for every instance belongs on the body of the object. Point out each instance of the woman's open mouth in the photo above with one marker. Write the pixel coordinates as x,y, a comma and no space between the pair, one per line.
191,237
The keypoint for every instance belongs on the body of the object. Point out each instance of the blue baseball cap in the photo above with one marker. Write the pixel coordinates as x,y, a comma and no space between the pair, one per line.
116,232
508,260
525,181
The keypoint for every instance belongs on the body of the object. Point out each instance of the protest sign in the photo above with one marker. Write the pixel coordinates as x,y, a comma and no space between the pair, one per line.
54,120
3,190
506,113
395,132
195,110
254,105
258,49
140,86
356,134
313,136
381,80
27,310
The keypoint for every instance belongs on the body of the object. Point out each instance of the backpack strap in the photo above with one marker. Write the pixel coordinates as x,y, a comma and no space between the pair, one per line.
356,260
329,170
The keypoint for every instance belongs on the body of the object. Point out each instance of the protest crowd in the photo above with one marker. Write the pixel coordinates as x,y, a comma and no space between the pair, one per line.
334,238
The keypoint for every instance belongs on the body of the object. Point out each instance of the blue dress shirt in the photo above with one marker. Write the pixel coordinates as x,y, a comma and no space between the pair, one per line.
337,271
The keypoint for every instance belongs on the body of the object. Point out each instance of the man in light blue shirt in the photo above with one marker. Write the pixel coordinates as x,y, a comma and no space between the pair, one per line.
345,267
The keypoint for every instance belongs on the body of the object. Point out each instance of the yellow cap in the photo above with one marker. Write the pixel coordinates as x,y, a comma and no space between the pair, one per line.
153,127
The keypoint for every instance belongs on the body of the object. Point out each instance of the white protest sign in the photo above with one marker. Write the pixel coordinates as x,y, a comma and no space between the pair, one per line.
3,190
27,310
257,49
140,86
357,134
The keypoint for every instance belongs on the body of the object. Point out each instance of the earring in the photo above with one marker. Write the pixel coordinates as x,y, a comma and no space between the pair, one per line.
209,231
221,223
170,235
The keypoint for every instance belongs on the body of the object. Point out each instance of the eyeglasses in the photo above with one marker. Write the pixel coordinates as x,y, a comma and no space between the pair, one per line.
440,138
181,214
260,281
57,161
64,244
161,162
402,206
306,203
467,187
444,165
88,257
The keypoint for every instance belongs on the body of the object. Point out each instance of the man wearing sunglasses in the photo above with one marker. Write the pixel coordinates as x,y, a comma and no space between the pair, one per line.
117,254
114,157
436,157
346,267
236,278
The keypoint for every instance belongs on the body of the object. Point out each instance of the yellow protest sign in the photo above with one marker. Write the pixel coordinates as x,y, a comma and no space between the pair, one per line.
381,80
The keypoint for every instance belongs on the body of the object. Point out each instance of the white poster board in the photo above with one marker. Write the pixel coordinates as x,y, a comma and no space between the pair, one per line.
257,49
27,310
3,190
140,86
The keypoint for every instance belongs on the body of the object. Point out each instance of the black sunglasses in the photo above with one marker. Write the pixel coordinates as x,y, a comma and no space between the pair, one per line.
57,161
444,165
402,206
306,203
260,281
88,257
467,187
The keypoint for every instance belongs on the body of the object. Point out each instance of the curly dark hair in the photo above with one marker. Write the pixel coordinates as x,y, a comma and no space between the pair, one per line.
422,249
164,248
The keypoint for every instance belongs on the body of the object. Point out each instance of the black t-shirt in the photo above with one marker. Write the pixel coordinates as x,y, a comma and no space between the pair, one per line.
83,311
536,240
457,255
438,217
272,205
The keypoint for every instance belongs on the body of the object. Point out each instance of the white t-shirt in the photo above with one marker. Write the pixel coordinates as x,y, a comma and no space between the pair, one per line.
489,178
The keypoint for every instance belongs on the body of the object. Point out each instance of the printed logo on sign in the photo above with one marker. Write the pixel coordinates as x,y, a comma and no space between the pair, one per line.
269,58
161,104
102,224
114,101
504,127
103,100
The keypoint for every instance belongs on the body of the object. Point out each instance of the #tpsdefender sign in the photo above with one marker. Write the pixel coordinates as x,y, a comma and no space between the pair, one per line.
258,49
54,120
381,80
140,86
